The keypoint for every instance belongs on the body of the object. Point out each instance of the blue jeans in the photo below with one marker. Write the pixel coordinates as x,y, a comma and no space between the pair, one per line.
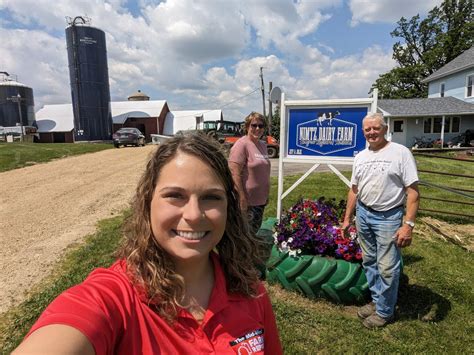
381,257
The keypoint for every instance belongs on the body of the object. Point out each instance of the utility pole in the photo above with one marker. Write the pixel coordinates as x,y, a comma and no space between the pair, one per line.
270,109
263,91
18,99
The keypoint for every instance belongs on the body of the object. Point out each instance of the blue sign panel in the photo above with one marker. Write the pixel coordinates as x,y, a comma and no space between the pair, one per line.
326,132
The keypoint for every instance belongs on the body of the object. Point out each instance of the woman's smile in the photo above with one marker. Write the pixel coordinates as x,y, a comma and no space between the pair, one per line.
188,215
188,235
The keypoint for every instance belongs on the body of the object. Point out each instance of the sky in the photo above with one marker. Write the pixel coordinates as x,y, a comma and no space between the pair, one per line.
207,54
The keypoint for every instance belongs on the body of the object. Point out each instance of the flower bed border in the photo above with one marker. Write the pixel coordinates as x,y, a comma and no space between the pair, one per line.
316,276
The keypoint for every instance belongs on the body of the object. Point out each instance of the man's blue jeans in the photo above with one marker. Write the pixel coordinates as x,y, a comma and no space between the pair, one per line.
381,257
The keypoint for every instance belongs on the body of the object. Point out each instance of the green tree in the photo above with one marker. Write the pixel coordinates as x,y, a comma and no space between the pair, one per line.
427,45
276,123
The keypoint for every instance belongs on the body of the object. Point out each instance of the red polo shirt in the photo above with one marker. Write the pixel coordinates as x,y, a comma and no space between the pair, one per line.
116,319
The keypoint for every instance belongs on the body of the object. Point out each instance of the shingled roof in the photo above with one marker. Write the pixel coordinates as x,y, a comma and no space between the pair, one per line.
436,106
463,61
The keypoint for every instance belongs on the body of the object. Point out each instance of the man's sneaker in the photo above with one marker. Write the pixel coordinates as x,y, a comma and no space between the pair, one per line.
375,321
366,311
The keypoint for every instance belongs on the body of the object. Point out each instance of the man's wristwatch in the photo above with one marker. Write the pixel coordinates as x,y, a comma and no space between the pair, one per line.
410,223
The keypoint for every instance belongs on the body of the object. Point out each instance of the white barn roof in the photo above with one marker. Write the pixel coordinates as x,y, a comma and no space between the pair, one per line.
12,83
55,118
186,120
60,118
121,110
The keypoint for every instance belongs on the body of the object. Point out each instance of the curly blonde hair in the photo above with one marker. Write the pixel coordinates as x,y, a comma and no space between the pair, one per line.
150,266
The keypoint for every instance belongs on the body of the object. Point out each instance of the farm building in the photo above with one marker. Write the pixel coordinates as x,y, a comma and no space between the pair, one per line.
189,120
56,122
148,116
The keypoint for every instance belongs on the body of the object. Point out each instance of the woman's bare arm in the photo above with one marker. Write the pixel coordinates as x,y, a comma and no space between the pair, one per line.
56,339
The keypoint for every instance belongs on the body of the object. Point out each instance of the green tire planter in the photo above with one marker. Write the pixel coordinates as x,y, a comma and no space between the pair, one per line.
337,280
315,276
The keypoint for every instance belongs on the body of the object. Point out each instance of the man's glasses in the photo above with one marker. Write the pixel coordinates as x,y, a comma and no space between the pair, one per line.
254,125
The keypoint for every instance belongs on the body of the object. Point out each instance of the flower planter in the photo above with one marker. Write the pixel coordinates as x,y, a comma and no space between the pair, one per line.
337,280
316,276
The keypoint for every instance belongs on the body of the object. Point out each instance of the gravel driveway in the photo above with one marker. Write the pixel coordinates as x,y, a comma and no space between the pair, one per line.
47,207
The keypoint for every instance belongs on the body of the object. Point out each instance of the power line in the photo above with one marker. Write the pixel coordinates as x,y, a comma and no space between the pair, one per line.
231,102
225,105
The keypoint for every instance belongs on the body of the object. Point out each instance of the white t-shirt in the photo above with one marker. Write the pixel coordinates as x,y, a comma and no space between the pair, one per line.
382,176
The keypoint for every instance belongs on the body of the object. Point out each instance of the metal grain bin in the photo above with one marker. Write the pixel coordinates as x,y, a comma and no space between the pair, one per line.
16,101
88,71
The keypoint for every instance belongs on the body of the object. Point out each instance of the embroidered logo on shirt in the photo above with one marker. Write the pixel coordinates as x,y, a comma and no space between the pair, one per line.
250,343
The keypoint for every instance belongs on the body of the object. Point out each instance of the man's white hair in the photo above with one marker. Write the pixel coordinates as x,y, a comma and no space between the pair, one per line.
376,116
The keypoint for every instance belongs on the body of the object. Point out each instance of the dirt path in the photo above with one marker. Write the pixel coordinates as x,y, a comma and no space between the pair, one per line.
47,207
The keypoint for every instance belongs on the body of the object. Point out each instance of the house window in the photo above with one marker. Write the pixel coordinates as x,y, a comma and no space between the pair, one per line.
433,124
437,124
470,80
427,125
455,123
447,124
398,126
451,124
441,90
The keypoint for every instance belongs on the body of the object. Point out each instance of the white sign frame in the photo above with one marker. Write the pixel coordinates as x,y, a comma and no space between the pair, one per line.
285,106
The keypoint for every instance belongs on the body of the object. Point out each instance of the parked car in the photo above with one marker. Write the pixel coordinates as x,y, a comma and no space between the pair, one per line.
128,136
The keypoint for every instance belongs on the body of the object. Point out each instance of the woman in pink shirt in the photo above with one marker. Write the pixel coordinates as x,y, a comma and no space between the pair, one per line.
250,167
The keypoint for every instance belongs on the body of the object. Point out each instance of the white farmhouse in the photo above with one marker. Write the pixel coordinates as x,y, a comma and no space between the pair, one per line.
447,112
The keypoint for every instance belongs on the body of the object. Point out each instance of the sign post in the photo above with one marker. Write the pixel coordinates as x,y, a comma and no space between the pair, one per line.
320,132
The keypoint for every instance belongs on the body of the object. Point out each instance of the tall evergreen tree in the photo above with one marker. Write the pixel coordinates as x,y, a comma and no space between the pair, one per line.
427,45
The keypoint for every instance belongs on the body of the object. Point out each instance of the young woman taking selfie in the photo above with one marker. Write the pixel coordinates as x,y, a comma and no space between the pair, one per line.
184,280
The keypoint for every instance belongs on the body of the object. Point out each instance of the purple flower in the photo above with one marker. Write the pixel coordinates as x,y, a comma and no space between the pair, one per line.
311,227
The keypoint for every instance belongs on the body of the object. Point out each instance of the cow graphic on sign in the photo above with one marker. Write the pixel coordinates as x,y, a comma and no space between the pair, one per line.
323,116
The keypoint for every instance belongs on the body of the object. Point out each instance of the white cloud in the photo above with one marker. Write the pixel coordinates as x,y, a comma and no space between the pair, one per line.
390,11
195,54
283,22
40,62
345,77
197,32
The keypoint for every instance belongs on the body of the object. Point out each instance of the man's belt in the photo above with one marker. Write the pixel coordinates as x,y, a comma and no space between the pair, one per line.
372,210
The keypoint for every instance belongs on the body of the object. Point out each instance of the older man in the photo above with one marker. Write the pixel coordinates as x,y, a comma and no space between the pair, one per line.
384,177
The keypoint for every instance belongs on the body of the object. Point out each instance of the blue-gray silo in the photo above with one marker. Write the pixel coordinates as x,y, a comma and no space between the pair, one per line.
17,105
88,72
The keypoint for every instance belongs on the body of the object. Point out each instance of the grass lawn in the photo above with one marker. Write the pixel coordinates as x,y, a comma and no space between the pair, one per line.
18,155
